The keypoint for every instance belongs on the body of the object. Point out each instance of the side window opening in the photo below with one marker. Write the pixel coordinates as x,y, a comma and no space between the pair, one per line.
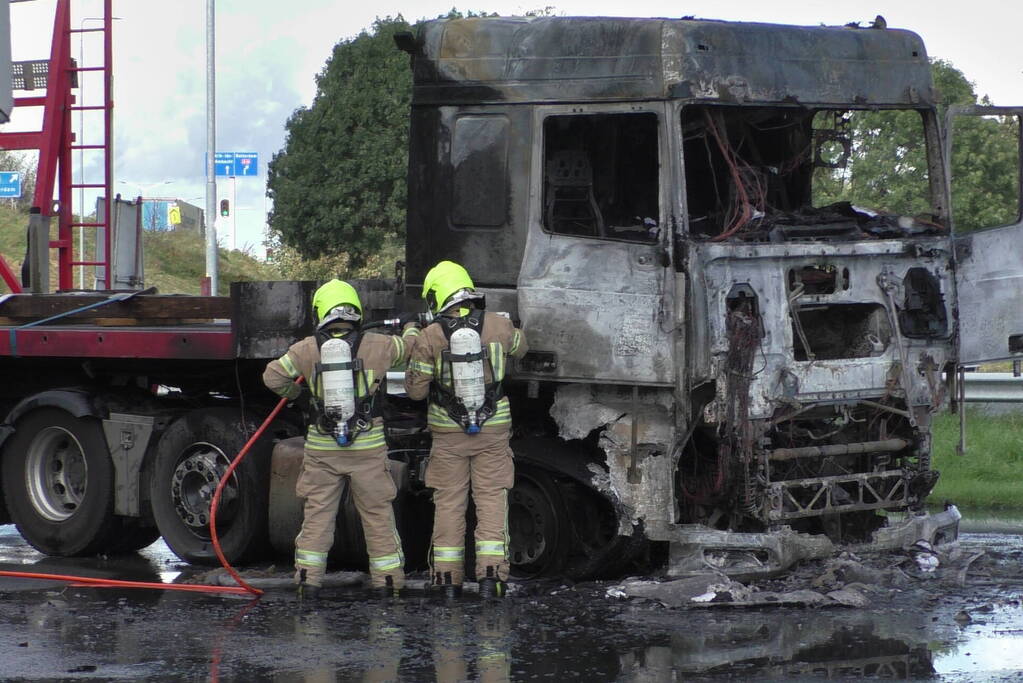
601,176
788,173
985,162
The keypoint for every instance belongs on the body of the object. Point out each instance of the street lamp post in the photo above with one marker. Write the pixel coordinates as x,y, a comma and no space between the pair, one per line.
211,147
143,187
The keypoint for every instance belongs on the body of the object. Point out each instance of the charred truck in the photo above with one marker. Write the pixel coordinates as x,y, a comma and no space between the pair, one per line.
726,354
730,359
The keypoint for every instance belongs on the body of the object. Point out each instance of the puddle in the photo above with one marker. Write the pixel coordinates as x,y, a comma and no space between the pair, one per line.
155,563
983,656
822,646
551,635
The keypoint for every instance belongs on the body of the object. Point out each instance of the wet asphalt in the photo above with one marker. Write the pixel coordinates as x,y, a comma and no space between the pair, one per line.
545,630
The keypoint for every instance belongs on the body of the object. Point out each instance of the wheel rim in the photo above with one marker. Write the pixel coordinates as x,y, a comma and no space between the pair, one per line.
533,528
195,480
56,474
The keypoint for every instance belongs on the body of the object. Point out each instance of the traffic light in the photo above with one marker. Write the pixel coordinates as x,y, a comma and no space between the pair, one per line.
225,207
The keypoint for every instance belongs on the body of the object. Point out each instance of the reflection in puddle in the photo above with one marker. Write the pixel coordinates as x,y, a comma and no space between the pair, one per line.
983,655
993,642
774,645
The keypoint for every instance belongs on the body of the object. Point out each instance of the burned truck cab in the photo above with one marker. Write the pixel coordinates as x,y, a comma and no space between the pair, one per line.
728,345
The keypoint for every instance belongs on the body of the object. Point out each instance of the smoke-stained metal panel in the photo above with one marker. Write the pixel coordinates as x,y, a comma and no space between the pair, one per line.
268,317
779,376
547,59
438,206
598,307
989,280
989,272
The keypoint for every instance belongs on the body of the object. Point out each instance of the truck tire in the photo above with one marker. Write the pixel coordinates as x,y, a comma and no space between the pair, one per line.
132,537
59,481
538,525
191,457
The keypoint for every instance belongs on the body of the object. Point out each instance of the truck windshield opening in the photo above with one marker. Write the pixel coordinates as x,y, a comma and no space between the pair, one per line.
785,173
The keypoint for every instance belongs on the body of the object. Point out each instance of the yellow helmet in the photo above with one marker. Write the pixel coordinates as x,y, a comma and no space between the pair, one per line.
448,284
336,301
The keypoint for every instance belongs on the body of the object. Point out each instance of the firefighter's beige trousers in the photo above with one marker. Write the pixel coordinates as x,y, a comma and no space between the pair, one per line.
320,483
484,462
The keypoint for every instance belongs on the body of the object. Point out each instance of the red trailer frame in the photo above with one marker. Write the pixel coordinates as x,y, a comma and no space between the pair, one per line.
56,141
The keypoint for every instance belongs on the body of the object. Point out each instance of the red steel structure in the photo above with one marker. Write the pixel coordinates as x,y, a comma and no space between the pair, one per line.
56,141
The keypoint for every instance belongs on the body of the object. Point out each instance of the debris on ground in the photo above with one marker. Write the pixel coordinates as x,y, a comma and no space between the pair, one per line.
847,580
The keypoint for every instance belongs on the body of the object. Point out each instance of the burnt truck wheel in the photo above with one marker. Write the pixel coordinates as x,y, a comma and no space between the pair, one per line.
537,526
132,537
191,458
58,483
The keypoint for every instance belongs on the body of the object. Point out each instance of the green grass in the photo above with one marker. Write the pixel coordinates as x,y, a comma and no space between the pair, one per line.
990,475
174,261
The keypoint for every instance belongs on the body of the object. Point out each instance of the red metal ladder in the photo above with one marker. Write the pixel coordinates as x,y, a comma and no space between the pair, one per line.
56,141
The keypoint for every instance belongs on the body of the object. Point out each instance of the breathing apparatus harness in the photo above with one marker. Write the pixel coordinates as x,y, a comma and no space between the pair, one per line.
445,396
366,407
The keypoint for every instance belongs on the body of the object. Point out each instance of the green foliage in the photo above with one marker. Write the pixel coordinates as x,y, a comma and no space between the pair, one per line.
887,169
338,185
175,261
380,263
985,172
989,474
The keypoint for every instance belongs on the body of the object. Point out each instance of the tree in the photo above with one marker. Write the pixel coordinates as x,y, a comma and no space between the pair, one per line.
338,185
887,166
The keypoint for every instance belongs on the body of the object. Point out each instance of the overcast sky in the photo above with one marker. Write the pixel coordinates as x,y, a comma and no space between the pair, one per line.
269,51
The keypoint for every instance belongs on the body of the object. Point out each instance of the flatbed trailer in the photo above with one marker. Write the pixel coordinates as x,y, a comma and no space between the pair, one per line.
95,381
116,326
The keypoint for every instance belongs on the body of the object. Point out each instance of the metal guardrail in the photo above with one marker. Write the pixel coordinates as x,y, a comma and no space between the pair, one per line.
993,387
981,387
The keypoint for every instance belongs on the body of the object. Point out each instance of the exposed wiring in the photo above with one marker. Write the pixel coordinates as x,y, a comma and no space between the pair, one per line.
741,212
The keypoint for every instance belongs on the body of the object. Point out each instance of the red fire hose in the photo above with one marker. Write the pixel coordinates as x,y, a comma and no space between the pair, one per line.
241,588
220,487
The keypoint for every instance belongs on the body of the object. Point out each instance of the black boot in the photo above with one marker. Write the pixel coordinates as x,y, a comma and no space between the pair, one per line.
492,587
307,591
443,587
385,592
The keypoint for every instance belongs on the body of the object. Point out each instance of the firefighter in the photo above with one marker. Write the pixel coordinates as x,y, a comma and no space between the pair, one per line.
459,361
344,367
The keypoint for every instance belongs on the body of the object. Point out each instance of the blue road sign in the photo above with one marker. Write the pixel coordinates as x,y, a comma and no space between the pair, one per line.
223,162
244,164
10,184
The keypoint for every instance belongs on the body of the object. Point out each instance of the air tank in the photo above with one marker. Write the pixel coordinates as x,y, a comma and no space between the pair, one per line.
338,387
467,377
